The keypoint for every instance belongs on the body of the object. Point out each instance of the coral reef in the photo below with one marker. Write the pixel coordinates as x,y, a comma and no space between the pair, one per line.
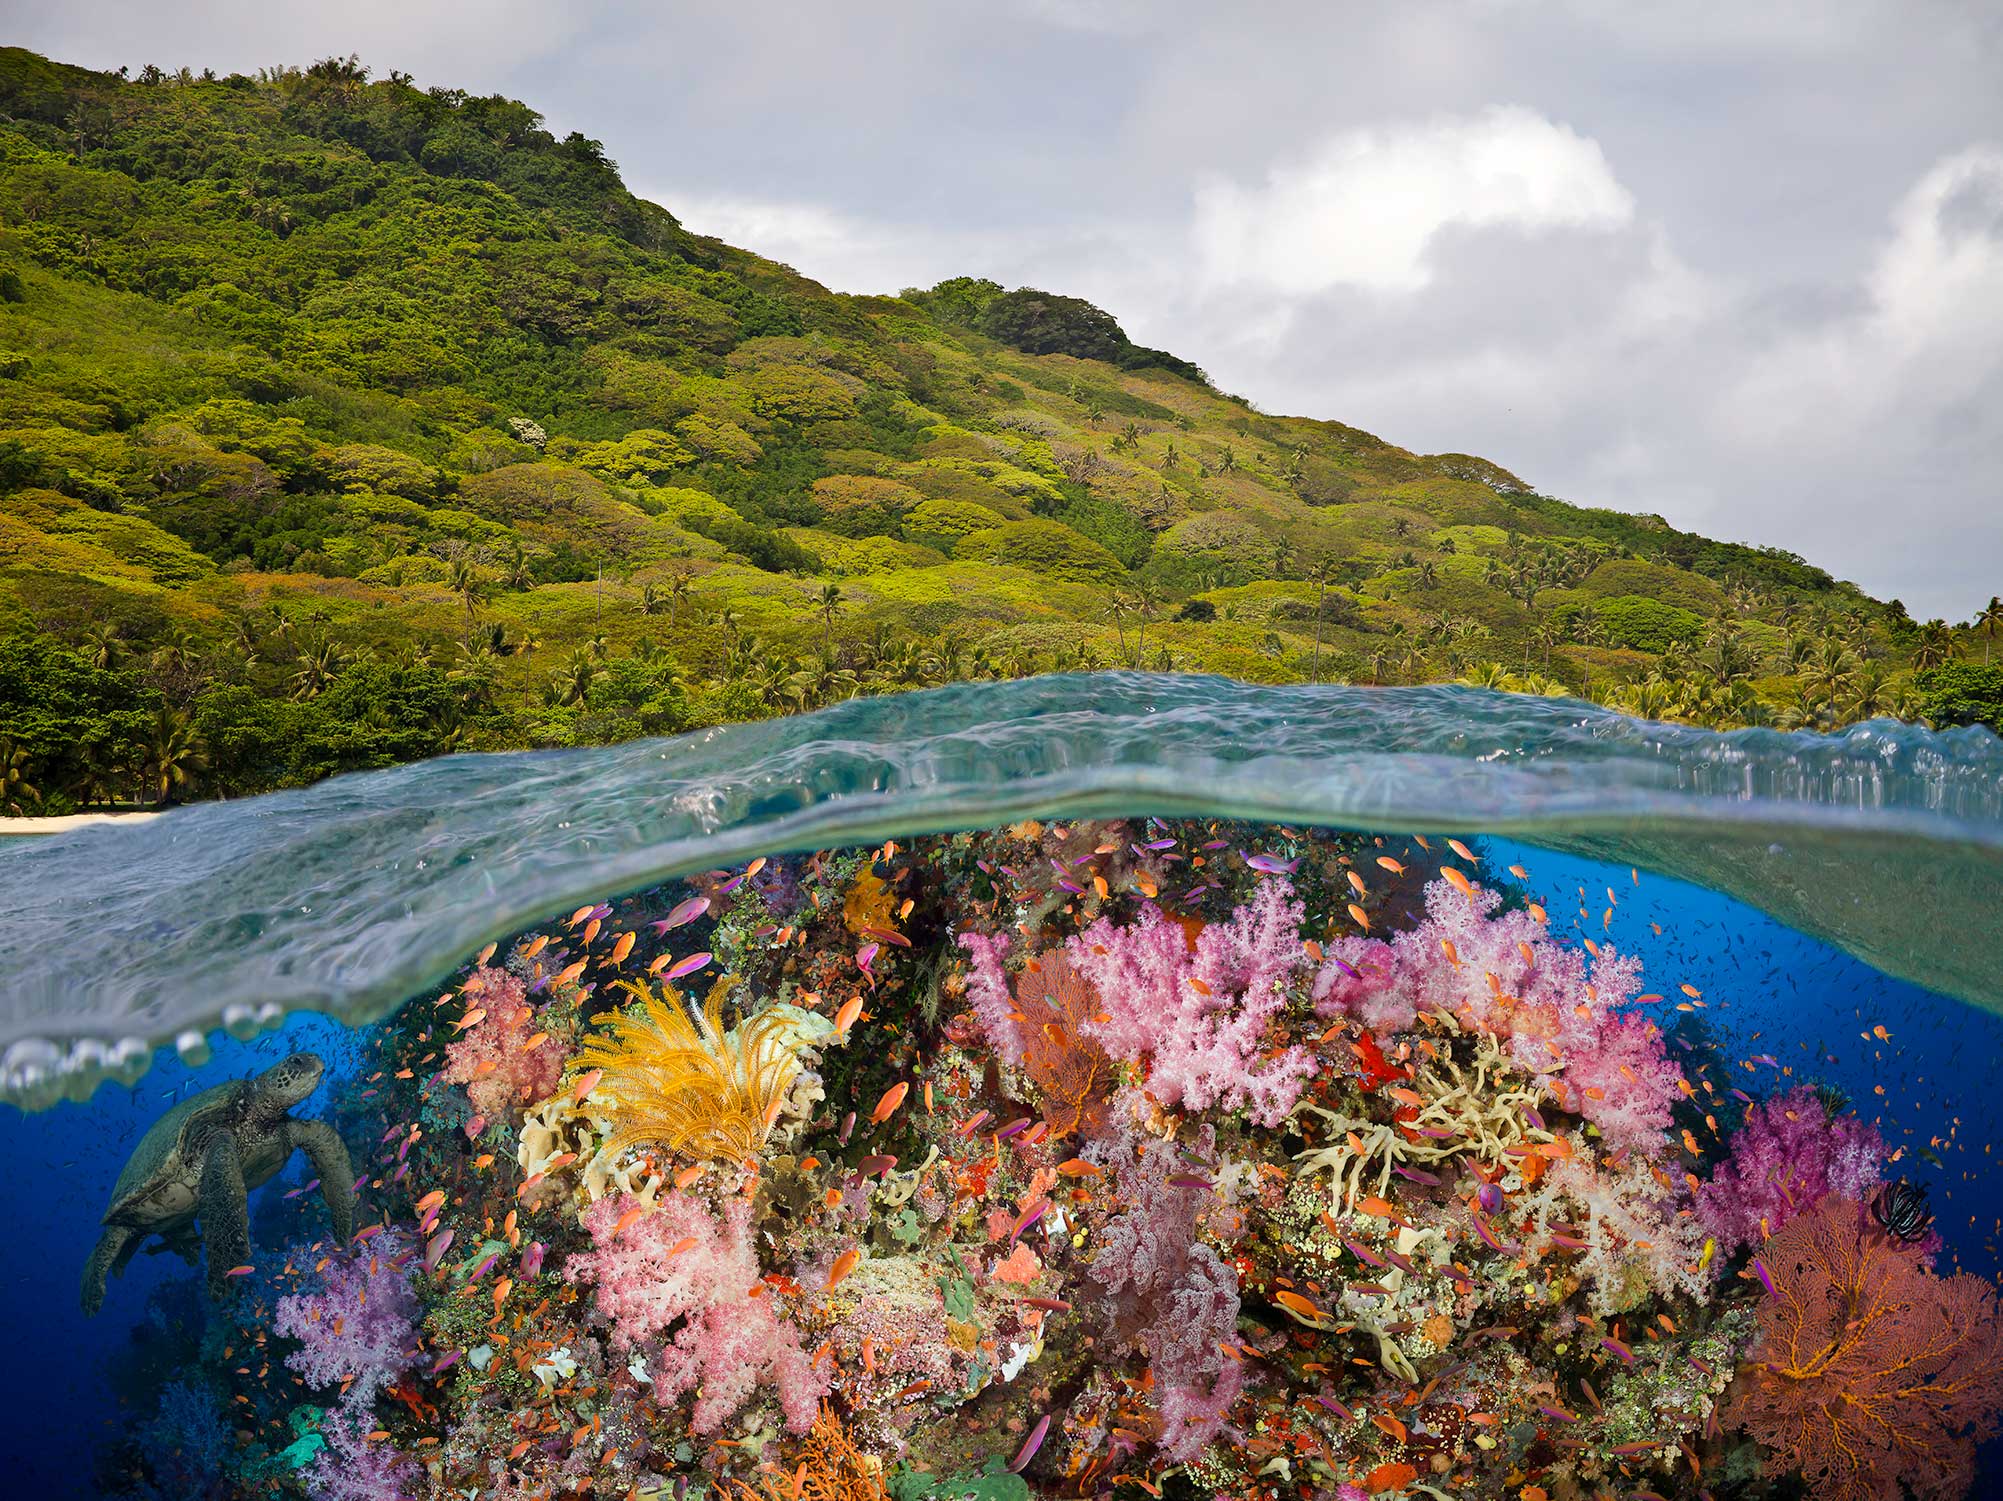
1094,1159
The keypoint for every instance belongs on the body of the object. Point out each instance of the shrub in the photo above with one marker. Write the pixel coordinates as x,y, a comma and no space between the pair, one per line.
1962,693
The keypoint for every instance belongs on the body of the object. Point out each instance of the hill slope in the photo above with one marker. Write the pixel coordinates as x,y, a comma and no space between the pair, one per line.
343,422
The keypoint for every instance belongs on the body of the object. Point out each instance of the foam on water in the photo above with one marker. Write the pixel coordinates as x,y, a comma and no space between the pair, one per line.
347,897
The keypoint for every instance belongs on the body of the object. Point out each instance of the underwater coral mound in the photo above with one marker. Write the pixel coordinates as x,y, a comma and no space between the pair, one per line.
1101,1160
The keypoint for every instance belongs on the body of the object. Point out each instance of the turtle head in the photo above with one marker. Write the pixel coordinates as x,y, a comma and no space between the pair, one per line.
285,1084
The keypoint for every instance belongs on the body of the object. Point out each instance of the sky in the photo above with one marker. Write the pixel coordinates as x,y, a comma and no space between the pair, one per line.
1739,265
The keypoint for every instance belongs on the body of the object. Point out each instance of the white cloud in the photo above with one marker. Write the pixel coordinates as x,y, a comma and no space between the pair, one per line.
1363,210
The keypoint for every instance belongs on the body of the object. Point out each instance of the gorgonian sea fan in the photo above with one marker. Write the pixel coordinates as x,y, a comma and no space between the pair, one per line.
1871,1374
1789,1153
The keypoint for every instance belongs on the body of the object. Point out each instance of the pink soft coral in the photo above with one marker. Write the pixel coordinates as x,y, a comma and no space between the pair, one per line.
1168,1294
1202,1015
360,1326
501,1075
730,1336
988,993
1787,1155
1559,1014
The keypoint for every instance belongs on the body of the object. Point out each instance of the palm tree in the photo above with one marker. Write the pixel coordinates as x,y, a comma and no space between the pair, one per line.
1936,645
515,572
175,755
651,601
1989,622
678,591
1869,697
829,603
319,664
1147,604
1380,663
14,783
1319,572
578,678
103,645
470,585
474,677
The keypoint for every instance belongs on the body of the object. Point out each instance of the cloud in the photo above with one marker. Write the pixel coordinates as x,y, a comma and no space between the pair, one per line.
1365,209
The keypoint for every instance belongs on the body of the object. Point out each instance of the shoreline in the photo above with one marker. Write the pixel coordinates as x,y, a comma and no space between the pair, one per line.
68,821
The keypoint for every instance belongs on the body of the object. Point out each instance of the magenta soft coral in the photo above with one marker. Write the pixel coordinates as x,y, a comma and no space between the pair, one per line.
360,1326
1786,1156
500,1075
730,1336
1202,1015
1559,1013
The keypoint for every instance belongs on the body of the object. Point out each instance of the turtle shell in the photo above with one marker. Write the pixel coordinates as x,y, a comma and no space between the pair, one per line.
158,1185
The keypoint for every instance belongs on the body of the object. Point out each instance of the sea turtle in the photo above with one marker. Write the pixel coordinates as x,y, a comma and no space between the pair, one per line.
200,1159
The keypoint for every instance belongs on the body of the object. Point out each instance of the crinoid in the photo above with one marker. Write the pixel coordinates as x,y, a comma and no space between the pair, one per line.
681,1080
1901,1209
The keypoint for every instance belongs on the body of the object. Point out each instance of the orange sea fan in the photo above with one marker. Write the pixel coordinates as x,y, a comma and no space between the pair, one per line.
684,1081
828,1467
1073,1071
1870,1370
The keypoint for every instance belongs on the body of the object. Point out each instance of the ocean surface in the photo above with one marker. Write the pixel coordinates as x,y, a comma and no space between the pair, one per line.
1806,890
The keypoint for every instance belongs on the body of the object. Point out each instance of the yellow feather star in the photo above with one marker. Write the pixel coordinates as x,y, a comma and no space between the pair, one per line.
684,1081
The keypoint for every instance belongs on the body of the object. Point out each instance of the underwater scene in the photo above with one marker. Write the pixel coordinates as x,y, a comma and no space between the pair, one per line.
1096,1086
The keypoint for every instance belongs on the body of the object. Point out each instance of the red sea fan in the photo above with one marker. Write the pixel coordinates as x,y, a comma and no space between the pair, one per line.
1870,1372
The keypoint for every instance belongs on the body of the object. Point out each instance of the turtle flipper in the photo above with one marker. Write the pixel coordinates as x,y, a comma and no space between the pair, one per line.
115,1245
329,1156
219,1203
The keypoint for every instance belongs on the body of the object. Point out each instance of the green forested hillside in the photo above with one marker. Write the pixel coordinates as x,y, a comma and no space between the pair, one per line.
343,422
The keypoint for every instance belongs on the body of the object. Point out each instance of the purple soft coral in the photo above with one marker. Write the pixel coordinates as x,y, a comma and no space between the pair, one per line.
1788,1153
1169,1294
360,1326
1202,1015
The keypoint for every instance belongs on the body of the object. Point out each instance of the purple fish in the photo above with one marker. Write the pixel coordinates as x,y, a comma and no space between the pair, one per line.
1766,1281
1489,1196
1030,1445
684,912
532,1258
1568,1242
1402,1263
848,1125
1073,887
731,885
1346,967
1189,1180
1027,1220
1271,865
1362,1253
686,966
1532,1119
446,1362
1161,844
1559,1413
435,1249
1337,1408
866,956
1417,1175
482,1269
1012,1128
